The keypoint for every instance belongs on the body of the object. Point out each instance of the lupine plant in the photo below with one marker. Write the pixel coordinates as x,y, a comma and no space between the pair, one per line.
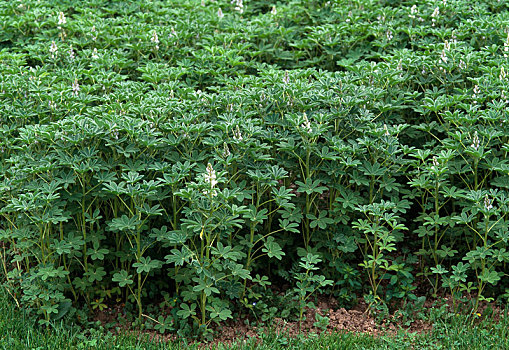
203,149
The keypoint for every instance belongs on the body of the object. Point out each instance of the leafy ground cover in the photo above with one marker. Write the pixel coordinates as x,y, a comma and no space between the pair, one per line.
182,164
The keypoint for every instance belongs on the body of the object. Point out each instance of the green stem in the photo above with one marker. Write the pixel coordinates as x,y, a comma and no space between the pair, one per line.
307,230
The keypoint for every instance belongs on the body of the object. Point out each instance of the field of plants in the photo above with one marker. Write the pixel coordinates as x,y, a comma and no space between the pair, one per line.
184,164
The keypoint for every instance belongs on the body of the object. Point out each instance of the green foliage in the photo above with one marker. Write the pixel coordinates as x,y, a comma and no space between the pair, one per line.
169,147
307,283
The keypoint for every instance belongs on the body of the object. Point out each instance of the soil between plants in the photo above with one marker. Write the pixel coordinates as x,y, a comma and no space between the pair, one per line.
357,320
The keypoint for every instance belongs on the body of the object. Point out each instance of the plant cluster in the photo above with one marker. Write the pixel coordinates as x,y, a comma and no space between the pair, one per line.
211,150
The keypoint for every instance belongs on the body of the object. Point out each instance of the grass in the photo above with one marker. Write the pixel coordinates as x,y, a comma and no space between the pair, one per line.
19,331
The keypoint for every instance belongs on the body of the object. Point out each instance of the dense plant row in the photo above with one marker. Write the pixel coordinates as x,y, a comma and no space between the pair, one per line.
201,151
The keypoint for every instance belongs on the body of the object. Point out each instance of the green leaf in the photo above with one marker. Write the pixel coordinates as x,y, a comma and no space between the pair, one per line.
49,271
50,309
491,277
238,270
310,186
272,248
147,264
179,257
186,311
123,278
95,274
309,261
321,221
223,314
97,253
439,270
124,223
206,287
226,252
288,226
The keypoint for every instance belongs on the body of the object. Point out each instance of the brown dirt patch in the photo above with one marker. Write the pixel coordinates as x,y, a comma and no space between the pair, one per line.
357,319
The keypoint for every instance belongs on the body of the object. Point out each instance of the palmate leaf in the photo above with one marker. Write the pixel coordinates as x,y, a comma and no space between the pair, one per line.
146,264
115,188
463,218
292,214
106,177
66,179
206,287
346,244
289,226
135,138
95,274
94,217
123,278
321,221
325,153
374,169
50,308
283,196
124,223
358,179
225,252
187,311
272,248
254,216
439,269
502,255
194,224
50,271
238,270
224,314
61,247
503,235
459,273
445,251
309,261
490,276
348,199
80,283
179,257
163,324
218,310
97,253
151,211
310,186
